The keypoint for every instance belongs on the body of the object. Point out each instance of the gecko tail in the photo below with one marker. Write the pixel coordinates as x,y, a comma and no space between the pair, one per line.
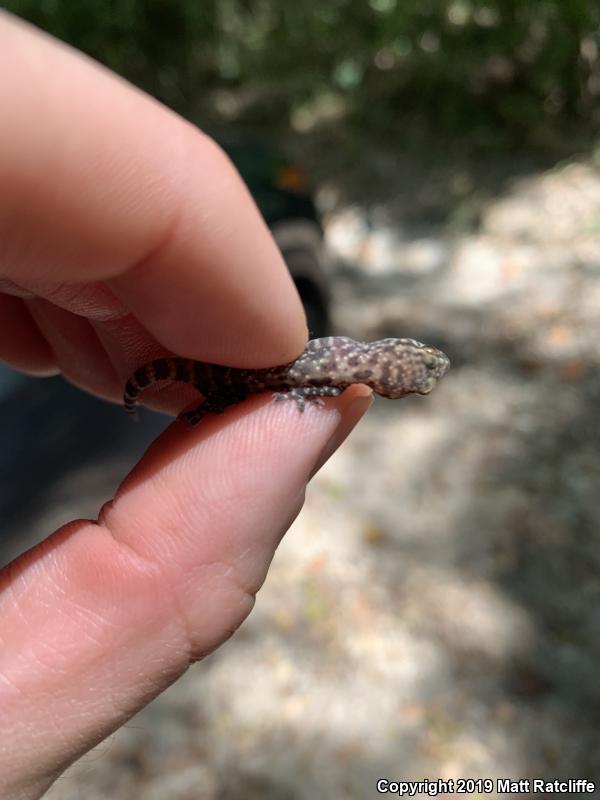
130,401
132,412
161,369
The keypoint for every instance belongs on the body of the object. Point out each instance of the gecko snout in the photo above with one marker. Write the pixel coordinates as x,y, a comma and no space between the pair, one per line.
437,365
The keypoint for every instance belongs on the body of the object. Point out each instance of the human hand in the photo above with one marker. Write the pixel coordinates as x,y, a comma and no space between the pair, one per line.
124,234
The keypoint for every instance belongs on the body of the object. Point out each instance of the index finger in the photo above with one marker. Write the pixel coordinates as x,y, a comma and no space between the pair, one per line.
102,183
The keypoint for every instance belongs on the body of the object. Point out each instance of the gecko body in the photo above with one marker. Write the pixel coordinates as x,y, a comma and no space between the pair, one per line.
392,368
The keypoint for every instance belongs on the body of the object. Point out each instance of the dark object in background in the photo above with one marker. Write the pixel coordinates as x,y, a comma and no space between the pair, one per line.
281,191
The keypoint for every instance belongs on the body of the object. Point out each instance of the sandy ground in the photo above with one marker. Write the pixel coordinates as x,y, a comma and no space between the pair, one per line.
435,610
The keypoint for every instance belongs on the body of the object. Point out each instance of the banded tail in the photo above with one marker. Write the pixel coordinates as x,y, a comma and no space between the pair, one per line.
161,369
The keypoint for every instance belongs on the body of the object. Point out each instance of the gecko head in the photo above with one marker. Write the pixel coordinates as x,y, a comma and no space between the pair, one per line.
436,364
406,366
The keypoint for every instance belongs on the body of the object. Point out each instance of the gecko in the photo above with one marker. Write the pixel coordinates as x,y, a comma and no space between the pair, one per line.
392,368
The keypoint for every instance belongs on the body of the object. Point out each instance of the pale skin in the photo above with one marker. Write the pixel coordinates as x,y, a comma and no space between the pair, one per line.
117,246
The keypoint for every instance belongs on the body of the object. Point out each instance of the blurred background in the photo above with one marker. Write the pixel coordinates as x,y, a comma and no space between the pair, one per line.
429,169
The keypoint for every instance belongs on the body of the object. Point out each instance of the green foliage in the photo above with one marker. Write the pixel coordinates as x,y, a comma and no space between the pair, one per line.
502,66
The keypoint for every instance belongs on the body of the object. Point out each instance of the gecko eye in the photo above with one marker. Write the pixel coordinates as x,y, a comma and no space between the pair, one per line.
435,362
432,358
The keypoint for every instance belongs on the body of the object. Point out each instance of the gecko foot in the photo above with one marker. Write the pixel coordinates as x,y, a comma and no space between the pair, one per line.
311,394
191,418
196,414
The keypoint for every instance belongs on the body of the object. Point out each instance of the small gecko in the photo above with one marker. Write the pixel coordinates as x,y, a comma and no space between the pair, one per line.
390,367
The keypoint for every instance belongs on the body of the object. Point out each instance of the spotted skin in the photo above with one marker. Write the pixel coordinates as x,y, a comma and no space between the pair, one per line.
392,368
